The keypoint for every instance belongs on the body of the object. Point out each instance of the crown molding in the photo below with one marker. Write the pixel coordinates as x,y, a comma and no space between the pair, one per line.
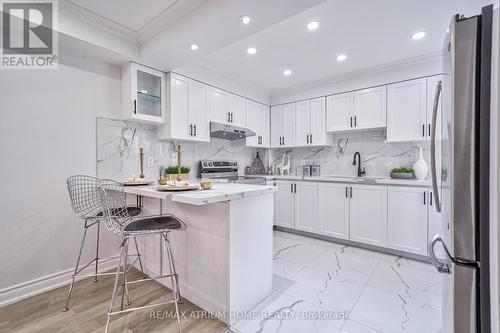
168,17
374,70
162,21
100,23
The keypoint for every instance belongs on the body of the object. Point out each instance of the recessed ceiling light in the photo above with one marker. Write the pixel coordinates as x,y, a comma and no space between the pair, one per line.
287,72
341,57
312,25
418,35
251,50
193,47
245,20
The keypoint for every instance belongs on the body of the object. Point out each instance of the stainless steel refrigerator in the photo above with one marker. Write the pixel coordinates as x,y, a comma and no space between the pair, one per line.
460,174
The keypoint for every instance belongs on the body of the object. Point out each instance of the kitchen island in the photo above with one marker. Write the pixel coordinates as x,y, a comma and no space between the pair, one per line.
224,257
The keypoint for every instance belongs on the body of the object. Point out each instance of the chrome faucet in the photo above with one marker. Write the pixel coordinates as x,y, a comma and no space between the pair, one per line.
361,172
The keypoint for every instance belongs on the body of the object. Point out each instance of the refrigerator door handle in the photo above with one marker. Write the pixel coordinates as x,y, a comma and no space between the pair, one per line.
433,147
442,267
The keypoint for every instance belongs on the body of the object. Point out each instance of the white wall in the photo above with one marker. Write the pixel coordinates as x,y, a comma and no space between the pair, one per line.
47,133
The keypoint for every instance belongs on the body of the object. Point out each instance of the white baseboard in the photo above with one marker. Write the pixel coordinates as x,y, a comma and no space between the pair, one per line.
40,285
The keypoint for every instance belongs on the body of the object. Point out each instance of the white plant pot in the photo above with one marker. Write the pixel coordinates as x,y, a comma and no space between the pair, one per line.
420,166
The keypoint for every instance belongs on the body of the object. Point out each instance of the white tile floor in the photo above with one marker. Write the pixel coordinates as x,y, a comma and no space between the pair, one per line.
321,286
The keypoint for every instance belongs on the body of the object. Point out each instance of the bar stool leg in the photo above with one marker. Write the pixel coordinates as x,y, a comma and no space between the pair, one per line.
115,286
169,250
124,279
97,250
174,281
139,257
76,269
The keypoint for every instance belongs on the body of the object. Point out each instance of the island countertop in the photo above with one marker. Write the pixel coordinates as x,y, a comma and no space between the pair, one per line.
219,192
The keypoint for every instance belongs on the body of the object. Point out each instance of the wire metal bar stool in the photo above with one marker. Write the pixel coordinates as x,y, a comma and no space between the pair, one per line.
118,221
85,202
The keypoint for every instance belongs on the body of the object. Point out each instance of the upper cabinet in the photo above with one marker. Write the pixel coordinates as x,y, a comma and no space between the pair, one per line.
283,125
358,110
310,123
187,110
227,108
407,111
258,120
143,94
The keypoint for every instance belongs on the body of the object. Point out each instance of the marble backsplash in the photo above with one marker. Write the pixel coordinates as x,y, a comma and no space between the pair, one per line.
378,156
118,144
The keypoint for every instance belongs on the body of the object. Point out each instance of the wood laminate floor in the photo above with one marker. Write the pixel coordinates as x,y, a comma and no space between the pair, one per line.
88,307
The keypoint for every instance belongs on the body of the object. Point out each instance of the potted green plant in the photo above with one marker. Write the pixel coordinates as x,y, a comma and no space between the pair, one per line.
172,172
402,173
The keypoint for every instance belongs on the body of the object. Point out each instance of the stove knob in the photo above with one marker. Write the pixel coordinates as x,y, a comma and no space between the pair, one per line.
205,164
210,164
235,163
231,163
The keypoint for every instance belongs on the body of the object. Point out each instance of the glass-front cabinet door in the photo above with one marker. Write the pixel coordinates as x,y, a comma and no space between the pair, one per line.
148,94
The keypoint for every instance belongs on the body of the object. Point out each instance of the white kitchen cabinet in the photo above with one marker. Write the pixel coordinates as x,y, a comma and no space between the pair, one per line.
144,94
226,108
339,112
236,106
258,120
310,123
276,126
407,219
285,204
289,125
306,206
368,214
407,111
370,108
187,110
333,210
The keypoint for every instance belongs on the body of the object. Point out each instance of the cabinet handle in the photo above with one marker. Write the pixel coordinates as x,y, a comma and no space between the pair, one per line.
194,130
307,138
294,188
291,187
351,191
423,130
351,121
135,106
429,134
355,122
229,117
283,141
191,129
424,199
310,138
346,195
430,198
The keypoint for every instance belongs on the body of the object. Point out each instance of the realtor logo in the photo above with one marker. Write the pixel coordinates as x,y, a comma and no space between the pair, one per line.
29,37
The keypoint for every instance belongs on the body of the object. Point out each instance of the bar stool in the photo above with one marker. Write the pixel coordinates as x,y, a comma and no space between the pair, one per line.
118,221
86,203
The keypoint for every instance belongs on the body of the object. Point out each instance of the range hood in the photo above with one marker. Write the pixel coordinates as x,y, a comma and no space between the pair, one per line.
229,132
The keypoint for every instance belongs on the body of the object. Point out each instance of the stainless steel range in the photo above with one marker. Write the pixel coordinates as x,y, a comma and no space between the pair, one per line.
226,171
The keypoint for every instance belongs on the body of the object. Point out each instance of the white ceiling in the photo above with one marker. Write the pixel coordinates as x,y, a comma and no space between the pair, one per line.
131,14
369,32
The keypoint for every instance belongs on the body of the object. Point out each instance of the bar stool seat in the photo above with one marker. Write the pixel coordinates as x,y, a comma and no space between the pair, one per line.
131,210
156,223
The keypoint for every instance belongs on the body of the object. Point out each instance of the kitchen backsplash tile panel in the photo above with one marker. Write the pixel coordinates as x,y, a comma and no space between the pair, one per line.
378,156
118,144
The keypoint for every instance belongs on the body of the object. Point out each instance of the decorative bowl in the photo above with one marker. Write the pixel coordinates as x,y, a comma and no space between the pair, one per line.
207,185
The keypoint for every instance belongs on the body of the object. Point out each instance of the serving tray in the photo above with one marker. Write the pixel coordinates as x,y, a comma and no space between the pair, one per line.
142,182
170,188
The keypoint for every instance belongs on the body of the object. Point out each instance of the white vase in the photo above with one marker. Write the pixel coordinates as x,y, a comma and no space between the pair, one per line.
420,166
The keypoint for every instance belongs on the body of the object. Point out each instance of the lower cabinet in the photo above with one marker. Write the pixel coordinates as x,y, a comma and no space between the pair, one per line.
333,210
407,219
285,204
368,214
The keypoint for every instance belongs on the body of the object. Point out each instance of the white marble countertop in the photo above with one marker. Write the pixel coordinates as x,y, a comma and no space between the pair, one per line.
219,192
352,180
